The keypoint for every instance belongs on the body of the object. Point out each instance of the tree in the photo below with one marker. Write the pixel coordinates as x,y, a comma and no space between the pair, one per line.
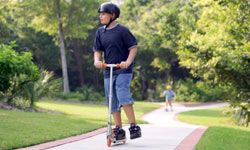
218,49
63,19
156,26
14,28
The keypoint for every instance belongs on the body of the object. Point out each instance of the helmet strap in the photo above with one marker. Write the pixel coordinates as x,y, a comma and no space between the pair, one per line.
110,21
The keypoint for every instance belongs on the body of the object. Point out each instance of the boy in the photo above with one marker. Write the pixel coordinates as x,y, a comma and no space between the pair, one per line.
169,96
119,46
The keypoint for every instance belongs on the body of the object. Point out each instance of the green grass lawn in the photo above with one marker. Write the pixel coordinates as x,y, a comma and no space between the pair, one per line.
222,134
21,129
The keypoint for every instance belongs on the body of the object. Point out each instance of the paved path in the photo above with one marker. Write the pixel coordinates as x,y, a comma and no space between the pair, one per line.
163,132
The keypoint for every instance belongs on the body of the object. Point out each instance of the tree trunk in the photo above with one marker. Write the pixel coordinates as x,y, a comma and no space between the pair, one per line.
144,89
79,60
62,49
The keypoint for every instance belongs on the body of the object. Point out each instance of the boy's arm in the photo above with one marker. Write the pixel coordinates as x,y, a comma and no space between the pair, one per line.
98,59
130,59
163,93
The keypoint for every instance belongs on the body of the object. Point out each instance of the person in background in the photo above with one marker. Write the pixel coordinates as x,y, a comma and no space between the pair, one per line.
169,97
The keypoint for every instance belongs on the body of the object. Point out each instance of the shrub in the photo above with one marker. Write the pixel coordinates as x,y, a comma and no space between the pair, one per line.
86,93
200,91
240,112
17,72
47,85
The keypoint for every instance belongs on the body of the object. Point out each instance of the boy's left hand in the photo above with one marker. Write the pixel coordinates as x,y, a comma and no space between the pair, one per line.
124,64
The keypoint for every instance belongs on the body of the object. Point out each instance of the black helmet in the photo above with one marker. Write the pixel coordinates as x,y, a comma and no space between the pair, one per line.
110,8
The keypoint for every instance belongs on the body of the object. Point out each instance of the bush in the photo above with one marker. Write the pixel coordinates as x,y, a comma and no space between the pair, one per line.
16,74
83,94
190,91
240,112
47,85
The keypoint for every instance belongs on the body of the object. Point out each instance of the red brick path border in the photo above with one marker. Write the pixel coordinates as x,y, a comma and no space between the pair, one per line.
192,139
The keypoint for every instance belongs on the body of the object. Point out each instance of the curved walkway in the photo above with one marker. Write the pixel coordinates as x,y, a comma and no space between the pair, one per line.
163,132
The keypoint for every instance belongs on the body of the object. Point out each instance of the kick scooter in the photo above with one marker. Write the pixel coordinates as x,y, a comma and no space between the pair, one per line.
110,135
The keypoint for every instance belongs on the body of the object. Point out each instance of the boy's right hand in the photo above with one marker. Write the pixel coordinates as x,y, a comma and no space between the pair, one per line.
99,64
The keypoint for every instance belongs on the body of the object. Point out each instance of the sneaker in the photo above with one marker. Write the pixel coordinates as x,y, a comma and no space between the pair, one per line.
135,131
119,133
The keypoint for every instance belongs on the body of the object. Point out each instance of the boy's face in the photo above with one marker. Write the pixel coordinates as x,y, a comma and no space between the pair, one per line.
104,17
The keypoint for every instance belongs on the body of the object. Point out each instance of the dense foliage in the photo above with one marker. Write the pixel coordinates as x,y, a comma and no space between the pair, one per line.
18,72
218,49
200,47
209,38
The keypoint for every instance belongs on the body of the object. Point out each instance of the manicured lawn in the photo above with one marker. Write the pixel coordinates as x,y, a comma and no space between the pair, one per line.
21,129
222,134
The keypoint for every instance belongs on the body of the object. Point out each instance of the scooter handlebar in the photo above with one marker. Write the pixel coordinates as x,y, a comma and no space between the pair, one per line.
111,65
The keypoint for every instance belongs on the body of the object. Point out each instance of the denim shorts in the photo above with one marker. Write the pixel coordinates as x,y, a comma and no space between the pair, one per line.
121,91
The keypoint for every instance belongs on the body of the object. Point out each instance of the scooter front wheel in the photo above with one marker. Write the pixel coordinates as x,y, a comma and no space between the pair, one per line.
108,142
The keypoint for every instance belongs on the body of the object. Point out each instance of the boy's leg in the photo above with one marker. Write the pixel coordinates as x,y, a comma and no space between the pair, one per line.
118,132
129,111
115,104
135,130
166,101
117,118
170,104
126,101
124,96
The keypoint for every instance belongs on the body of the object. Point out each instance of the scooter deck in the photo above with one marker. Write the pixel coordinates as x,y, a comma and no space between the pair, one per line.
118,142
112,142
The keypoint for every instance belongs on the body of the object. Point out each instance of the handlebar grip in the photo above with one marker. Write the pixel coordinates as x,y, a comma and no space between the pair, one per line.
118,65
104,65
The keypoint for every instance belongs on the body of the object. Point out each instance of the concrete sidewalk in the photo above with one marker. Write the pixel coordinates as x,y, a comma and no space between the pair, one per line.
163,132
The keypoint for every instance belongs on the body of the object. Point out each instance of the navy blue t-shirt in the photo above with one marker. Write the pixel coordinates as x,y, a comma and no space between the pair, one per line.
115,43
